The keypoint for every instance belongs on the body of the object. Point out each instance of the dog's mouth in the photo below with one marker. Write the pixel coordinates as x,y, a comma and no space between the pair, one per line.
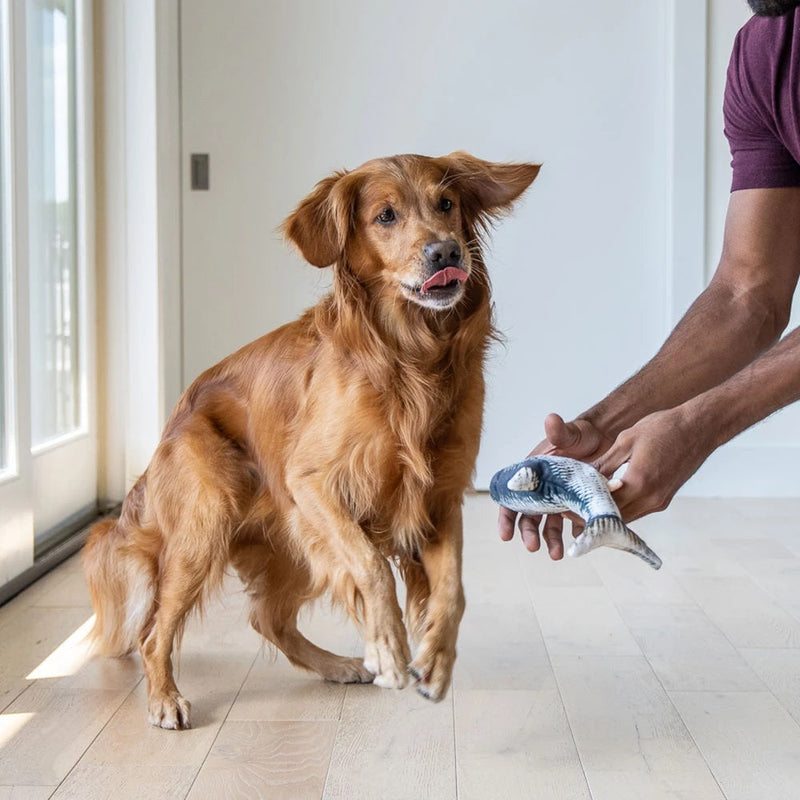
441,290
445,279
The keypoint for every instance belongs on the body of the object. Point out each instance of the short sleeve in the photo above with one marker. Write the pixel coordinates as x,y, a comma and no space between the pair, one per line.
759,159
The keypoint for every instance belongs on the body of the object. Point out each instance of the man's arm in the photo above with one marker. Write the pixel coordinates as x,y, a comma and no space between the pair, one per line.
740,315
658,468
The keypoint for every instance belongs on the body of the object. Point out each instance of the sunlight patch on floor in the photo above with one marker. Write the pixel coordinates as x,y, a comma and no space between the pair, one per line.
11,725
68,657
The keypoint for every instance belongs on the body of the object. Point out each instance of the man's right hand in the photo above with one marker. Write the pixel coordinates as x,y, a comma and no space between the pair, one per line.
578,439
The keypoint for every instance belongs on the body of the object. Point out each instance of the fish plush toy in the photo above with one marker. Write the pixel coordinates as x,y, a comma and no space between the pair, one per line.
554,484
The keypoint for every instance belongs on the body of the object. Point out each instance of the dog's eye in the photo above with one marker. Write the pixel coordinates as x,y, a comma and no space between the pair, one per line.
446,204
386,217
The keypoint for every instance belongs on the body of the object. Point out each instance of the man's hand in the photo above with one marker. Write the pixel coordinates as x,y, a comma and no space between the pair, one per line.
719,372
665,448
578,439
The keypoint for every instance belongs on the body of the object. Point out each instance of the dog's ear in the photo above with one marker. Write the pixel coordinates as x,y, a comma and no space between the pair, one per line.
320,224
488,188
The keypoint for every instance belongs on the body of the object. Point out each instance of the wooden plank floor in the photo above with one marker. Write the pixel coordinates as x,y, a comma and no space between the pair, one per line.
593,678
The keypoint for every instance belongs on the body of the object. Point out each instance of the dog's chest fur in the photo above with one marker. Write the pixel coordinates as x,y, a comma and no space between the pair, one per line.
395,462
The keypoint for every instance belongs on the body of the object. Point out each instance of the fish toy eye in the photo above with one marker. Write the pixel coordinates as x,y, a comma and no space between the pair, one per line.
524,480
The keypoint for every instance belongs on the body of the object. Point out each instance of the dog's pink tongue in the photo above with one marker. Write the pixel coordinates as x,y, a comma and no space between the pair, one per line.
443,277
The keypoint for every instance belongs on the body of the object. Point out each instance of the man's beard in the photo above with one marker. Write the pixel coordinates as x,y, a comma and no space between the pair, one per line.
772,8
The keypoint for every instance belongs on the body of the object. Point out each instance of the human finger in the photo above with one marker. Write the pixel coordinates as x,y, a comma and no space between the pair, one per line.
637,497
561,435
616,455
551,533
577,439
529,530
557,434
577,523
566,437
505,523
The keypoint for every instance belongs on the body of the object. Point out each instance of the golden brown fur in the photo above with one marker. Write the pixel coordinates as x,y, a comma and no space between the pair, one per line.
314,455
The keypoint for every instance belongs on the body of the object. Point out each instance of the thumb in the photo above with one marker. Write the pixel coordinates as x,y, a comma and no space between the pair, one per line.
562,435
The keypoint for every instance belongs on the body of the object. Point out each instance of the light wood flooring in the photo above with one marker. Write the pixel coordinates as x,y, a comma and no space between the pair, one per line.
590,678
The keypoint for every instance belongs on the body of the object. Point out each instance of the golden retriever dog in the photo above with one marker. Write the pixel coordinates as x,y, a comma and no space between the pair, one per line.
316,456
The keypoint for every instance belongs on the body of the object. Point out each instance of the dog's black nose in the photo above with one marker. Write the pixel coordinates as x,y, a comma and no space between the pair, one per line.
443,254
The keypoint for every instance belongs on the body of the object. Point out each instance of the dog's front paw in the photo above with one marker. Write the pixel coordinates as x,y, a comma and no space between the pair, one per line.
433,671
387,660
169,711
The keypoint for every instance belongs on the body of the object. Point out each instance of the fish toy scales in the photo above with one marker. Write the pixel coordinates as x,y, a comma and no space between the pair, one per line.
554,484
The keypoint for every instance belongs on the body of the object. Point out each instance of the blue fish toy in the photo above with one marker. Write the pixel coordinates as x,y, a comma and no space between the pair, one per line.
553,485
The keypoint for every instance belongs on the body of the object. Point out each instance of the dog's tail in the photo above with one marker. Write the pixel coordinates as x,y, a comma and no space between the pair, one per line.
122,584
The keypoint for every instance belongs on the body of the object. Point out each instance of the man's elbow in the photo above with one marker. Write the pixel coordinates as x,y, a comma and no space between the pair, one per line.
770,315
762,310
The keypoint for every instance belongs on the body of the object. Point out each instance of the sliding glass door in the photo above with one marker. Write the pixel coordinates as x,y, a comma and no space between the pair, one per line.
57,407
63,438
48,469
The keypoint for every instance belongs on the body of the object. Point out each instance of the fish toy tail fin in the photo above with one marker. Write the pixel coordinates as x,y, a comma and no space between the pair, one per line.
611,531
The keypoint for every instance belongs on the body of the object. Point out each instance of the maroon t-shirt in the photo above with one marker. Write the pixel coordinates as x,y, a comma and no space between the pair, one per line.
762,103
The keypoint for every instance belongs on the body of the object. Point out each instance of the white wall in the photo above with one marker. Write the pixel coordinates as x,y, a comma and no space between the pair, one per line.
280,96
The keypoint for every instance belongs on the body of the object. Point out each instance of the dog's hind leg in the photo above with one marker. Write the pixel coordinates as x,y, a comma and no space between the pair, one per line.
301,652
197,487
182,583
278,587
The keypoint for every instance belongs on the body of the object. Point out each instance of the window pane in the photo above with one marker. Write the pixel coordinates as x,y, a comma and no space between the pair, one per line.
55,377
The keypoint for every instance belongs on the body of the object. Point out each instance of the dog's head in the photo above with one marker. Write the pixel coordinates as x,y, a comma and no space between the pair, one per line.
407,224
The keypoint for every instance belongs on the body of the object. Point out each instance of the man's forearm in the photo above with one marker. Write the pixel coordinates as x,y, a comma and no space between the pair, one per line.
720,334
664,449
768,384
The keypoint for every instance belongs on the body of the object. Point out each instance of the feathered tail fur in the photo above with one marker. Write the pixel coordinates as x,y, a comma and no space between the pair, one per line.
122,585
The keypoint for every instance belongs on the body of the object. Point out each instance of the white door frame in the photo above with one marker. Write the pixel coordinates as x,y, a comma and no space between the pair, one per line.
140,217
